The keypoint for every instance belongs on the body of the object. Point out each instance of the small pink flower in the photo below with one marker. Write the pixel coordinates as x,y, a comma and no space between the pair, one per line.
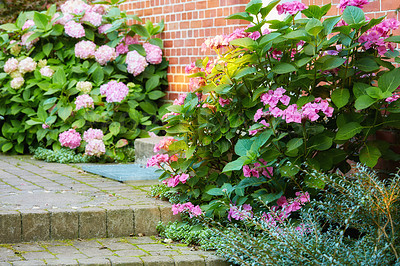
224,102
27,65
11,65
70,139
157,160
84,101
290,7
29,23
74,29
123,46
103,28
164,144
95,147
92,134
46,71
114,91
136,63
93,18
105,54
85,49
153,53
180,100
45,126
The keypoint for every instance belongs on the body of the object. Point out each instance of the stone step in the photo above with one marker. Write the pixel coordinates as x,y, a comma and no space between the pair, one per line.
144,148
106,251
48,201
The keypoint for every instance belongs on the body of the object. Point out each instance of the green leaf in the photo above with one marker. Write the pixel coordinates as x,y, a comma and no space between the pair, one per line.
89,33
236,165
364,101
155,95
329,23
242,146
317,12
367,64
395,39
332,62
289,169
375,92
297,35
98,76
34,36
6,147
348,131
340,97
140,30
283,68
353,15
215,192
294,144
266,10
244,42
314,27
321,142
178,129
152,83
244,72
121,143
359,89
242,15
254,6
41,20
390,81
9,27
79,123
64,112
60,77
115,128
47,48
313,181
250,182
369,155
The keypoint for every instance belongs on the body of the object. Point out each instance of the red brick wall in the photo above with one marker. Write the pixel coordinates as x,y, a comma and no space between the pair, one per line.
187,24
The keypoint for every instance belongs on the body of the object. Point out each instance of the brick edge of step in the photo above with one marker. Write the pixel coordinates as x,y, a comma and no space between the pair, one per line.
84,223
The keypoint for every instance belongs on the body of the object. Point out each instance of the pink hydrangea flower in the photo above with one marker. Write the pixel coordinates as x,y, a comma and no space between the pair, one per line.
104,28
123,46
62,20
84,101
29,23
175,180
196,83
191,68
27,65
84,86
74,6
74,29
164,144
46,71
224,102
180,100
290,7
17,82
291,114
25,37
92,134
114,91
187,207
168,115
105,54
358,3
45,126
99,8
70,139
136,63
95,147
157,160
11,65
240,213
93,18
153,53
393,98
85,49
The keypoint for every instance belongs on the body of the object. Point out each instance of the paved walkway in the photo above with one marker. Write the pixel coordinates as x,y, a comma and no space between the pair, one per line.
42,204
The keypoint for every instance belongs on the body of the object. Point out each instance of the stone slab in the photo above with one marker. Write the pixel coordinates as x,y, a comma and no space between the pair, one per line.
35,225
92,223
119,221
144,149
123,172
146,220
10,227
64,224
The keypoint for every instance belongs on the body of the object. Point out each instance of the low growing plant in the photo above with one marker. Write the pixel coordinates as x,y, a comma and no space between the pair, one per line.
309,90
81,73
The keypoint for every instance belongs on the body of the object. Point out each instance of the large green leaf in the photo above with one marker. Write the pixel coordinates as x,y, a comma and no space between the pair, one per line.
395,39
283,68
294,144
98,76
115,128
236,165
353,15
369,155
9,27
321,142
64,112
152,83
364,101
244,42
348,131
332,62
254,6
242,146
314,26
241,15
250,182
155,95
340,97
390,81
41,20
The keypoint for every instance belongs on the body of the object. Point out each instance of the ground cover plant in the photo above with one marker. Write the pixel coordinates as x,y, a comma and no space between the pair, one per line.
79,77
308,90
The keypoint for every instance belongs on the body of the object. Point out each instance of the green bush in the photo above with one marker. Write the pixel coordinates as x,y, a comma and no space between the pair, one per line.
82,68
310,90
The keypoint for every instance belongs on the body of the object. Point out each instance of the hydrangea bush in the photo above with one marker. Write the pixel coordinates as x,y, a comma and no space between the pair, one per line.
79,70
279,94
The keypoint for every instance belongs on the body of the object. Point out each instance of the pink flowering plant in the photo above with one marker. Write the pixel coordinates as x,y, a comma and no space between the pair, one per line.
281,94
80,66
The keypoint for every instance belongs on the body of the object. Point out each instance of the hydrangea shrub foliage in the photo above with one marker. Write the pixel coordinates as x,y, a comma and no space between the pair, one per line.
282,93
80,77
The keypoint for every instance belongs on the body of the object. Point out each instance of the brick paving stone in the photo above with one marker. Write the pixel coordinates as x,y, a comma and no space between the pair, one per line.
36,255
189,260
157,261
10,227
117,244
29,263
94,261
146,220
119,221
212,260
62,262
28,247
123,261
35,225
92,223
96,252
64,224
131,253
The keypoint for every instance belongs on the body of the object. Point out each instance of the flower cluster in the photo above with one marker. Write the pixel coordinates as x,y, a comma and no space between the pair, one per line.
11,65
187,207
85,49
103,28
180,100
292,113
285,207
74,7
93,18
123,46
84,86
174,180
70,139
290,7
258,169
17,69
105,54
27,65
74,29
240,213
29,23
46,71
92,134
136,63
153,53
358,3
374,37
223,101
84,101
115,92
157,160
95,145
164,144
